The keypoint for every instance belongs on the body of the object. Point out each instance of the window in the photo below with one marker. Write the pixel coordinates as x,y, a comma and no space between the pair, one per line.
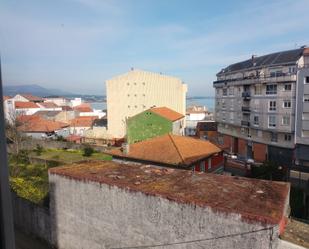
306,97
223,104
128,83
286,120
272,106
292,70
256,120
258,90
287,104
231,91
307,79
143,83
218,91
128,95
287,87
223,116
271,121
273,137
231,116
271,89
287,137
224,92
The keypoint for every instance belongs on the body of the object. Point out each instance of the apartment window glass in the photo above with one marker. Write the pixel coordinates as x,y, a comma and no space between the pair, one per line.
306,97
224,93
223,116
307,79
271,121
292,70
256,120
271,89
287,87
273,137
287,104
258,90
231,91
232,116
287,137
272,106
218,91
223,104
286,120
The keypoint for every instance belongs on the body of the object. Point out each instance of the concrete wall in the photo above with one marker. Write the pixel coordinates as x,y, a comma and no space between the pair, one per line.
31,218
137,91
90,215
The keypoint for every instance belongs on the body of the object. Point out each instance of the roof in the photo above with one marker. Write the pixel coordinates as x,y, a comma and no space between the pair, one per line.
66,108
84,107
48,105
297,232
6,97
167,113
169,149
283,57
26,118
265,201
85,121
32,97
25,105
41,125
47,113
207,126
73,138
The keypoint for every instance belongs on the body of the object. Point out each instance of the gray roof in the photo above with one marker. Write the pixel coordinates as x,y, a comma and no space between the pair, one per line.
47,113
279,58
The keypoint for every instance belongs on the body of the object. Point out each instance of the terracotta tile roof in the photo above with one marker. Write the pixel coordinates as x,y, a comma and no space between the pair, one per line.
85,121
21,119
254,200
84,107
169,149
41,125
167,113
32,98
25,105
74,138
48,105
66,108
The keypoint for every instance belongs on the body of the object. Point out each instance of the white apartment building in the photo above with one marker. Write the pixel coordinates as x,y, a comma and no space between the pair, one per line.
262,107
137,91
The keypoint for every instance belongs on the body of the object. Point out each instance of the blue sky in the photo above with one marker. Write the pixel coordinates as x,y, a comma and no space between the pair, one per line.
75,45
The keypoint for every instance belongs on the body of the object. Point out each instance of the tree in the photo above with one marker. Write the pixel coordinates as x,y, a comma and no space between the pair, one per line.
88,151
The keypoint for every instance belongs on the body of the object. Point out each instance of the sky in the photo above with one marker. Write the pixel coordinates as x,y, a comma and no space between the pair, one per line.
76,45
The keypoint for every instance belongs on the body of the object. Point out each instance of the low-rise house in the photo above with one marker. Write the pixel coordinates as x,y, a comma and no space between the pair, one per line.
112,205
40,128
79,125
59,101
173,151
49,106
207,130
27,98
25,108
194,114
60,116
84,107
154,122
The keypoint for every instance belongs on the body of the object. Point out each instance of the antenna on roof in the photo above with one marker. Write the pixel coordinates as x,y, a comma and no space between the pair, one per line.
132,68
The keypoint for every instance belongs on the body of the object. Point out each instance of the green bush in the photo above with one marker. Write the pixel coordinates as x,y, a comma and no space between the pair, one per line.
88,151
38,150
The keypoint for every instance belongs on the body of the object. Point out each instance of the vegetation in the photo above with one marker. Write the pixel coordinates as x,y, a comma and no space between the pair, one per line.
269,171
30,180
88,151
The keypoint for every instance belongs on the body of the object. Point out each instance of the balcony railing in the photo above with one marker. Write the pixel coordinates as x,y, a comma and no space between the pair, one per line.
245,123
245,108
246,95
282,77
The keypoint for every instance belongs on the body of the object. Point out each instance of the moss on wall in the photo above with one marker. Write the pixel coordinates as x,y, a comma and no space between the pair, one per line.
147,125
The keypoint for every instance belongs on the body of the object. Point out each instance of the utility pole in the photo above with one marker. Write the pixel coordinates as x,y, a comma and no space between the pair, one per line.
7,238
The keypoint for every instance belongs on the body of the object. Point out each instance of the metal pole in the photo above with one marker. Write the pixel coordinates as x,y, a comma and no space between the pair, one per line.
7,238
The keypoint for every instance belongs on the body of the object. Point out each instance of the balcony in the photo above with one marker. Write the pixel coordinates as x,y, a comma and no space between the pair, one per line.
245,123
246,95
245,109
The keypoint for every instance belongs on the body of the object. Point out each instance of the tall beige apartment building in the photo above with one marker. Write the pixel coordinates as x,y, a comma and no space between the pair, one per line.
136,91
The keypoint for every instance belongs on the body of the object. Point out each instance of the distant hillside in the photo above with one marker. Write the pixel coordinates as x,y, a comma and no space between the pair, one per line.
32,89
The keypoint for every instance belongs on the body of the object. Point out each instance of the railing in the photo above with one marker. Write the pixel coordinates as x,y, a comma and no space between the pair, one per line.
245,123
245,109
261,79
246,95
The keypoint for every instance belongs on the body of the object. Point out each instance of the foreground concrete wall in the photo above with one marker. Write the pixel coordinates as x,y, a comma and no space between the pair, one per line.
31,218
93,215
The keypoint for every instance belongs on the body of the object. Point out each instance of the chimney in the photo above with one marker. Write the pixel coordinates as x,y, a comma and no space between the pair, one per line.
253,59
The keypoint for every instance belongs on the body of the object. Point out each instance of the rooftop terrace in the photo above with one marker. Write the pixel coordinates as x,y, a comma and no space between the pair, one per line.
254,200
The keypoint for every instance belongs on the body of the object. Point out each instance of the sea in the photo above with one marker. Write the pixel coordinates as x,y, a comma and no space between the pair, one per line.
209,102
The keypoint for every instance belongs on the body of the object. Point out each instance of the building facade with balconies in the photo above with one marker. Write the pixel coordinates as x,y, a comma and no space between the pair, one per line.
256,109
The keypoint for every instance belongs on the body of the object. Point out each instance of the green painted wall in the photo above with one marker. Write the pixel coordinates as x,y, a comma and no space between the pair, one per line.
147,125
